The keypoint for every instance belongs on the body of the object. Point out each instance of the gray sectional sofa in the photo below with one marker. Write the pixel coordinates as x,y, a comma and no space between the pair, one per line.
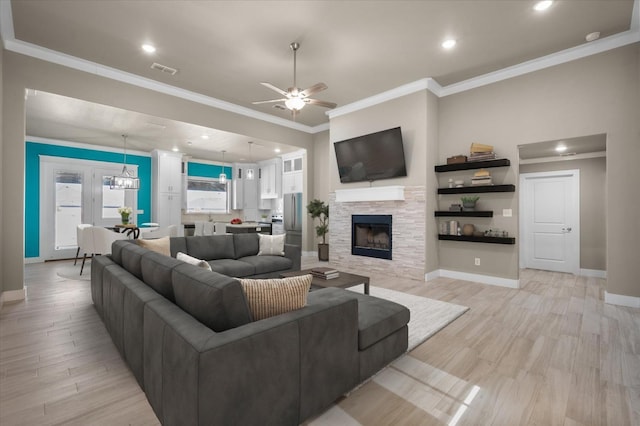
236,255
189,339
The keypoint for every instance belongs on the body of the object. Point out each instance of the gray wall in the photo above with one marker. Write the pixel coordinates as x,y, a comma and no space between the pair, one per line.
1,179
597,94
22,72
408,112
593,195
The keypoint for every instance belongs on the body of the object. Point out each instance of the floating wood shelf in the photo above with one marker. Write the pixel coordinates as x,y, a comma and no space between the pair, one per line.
477,189
475,213
490,240
469,165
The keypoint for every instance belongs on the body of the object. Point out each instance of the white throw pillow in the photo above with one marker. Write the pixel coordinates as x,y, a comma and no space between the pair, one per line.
193,260
271,245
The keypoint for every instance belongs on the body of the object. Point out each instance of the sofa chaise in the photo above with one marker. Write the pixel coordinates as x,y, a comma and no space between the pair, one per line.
188,336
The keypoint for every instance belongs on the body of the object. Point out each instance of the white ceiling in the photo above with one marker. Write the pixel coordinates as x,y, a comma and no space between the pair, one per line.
223,49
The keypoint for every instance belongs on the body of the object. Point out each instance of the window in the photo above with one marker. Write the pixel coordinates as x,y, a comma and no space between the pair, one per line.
207,196
112,199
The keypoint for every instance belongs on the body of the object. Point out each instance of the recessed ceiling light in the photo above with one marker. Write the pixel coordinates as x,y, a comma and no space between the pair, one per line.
276,150
149,48
205,136
448,44
561,148
175,149
543,5
189,143
593,36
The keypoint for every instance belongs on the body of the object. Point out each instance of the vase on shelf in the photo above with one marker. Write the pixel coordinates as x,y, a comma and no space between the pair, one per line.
125,219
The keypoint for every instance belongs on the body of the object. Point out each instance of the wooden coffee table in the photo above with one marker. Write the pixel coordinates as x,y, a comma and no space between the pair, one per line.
343,281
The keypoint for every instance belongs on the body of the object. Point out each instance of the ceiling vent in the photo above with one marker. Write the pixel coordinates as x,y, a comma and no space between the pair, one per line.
163,68
280,107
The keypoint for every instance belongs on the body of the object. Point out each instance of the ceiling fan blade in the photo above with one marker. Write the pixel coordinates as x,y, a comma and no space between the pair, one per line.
274,88
329,105
318,87
269,101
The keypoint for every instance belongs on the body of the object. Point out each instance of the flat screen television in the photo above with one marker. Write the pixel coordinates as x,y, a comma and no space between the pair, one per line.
371,157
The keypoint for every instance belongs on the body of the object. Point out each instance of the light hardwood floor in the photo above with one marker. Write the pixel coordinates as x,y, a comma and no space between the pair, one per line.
549,353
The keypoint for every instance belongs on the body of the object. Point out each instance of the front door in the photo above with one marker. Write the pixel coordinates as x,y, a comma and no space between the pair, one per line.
550,221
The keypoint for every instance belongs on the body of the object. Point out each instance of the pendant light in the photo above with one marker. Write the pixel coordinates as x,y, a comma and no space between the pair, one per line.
250,173
223,176
126,179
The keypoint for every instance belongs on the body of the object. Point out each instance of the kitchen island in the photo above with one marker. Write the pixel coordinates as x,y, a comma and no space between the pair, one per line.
249,227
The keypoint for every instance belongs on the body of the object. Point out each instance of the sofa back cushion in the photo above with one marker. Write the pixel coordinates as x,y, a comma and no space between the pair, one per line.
211,247
177,245
246,244
156,273
116,250
131,258
215,300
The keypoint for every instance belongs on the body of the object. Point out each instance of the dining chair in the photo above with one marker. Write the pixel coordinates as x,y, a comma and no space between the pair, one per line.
79,230
100,241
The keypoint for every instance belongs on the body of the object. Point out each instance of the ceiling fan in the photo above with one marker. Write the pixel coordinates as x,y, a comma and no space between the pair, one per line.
295,98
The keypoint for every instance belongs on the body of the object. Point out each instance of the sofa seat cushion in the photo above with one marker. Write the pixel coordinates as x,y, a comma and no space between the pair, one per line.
211,247
266,264
378,318
232,268
215,300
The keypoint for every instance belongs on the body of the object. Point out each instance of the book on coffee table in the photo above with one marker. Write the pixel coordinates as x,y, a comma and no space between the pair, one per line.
325,273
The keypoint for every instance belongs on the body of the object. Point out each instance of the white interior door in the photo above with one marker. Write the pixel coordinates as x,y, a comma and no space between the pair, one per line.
550,220
74,192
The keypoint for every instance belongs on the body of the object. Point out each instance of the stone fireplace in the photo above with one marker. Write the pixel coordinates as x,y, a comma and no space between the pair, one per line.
407,233
371,235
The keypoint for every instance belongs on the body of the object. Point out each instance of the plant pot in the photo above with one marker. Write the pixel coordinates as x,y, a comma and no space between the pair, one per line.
468,207
323,252
125,219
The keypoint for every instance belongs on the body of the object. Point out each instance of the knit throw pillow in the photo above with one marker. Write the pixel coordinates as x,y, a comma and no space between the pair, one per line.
270,297
271,245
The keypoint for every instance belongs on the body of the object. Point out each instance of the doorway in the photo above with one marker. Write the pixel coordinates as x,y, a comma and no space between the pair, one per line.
550,221
74,192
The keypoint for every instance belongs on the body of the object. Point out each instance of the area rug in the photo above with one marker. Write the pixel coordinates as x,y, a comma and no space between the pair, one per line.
72,272
428,316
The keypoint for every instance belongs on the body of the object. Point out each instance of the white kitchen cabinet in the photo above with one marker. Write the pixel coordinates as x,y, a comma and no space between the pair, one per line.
291,182
270,174
167,188
245,191
292,172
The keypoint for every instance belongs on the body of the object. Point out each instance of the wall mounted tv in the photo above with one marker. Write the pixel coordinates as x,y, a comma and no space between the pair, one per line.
371,157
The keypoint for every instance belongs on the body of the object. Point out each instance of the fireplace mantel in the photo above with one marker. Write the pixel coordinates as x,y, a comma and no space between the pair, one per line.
379,193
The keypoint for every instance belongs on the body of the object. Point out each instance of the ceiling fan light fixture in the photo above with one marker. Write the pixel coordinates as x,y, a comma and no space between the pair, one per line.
294,104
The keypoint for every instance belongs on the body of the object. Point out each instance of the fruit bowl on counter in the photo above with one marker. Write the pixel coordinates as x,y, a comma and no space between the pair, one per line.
236,221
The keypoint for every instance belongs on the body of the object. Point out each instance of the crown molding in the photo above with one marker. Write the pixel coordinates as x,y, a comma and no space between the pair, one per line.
82,145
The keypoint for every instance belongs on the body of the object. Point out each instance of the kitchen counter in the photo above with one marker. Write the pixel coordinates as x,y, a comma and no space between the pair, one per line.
248,227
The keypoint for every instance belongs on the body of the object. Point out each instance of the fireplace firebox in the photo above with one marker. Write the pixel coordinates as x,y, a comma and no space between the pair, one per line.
371,236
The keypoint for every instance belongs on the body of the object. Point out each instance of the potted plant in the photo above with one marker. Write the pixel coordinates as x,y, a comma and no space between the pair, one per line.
124,214
469,203
319,210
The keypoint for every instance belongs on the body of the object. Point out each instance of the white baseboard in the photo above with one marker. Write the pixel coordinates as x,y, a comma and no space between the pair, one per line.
12,296
483,279
596,273
33,260
621,300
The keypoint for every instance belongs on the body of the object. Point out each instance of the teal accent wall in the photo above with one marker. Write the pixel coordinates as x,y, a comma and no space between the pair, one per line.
208,170
34,150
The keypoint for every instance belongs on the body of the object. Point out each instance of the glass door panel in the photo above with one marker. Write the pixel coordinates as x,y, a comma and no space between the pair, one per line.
68,208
